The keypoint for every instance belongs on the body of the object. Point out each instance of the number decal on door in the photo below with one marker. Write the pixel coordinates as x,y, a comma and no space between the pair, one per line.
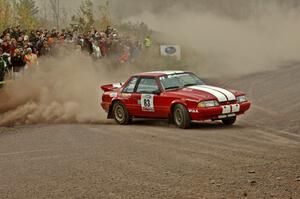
147,102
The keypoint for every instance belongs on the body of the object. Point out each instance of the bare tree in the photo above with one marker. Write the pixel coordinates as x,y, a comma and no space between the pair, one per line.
55,9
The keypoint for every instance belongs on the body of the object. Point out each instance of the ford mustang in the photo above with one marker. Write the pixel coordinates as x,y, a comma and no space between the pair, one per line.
182,97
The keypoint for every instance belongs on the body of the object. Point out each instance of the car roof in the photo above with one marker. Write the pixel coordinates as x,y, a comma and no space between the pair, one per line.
159,73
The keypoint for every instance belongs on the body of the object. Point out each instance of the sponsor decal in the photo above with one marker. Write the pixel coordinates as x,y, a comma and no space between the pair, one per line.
167,72
226,116
170,50
113,94
193,111
147,102
222,116
126,95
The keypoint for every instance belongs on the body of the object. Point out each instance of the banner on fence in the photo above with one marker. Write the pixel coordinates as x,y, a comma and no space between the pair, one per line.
171,51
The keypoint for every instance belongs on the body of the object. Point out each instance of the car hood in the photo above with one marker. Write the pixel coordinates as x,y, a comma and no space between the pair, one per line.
206,92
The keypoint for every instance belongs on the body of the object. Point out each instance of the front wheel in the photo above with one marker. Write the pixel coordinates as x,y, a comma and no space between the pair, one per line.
229,121
120,113
181,117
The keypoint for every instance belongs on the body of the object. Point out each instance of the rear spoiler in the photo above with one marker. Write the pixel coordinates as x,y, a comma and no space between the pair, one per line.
111,87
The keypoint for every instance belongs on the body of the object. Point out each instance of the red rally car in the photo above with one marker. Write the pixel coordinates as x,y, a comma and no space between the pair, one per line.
182,97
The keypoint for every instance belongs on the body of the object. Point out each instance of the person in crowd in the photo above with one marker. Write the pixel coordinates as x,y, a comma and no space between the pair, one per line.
136,50
96,49
124,56
108,31
147,42
21,47
45,49
103,47
5,46
87,45
30,58
17,61
7,58
3,66
13,46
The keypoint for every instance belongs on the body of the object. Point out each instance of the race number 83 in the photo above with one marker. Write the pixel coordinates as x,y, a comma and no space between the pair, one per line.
147,102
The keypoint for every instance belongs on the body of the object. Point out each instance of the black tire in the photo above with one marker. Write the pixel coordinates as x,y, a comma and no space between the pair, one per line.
181,117
229,121
120,113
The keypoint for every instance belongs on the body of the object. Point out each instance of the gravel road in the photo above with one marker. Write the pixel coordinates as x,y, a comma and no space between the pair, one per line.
152,159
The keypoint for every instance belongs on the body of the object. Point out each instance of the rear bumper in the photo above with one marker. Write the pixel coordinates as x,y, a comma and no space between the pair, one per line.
105,106
219,112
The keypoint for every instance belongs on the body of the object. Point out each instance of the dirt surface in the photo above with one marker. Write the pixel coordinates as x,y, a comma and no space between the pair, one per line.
259,157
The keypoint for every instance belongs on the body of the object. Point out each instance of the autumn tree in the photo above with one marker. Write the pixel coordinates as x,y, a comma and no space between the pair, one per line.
84,20
105,16
5,14
27,13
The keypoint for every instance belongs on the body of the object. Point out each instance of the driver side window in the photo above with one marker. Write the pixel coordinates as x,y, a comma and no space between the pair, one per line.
147,85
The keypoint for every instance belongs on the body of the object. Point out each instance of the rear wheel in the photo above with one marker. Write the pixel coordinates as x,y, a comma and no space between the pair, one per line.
229,121
181,117
120,113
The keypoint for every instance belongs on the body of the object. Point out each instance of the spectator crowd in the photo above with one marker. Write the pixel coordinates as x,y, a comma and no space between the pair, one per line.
20,49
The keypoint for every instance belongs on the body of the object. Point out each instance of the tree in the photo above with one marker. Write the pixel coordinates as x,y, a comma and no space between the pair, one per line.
85,17
55,8
30,6
105,16
5,14
27,11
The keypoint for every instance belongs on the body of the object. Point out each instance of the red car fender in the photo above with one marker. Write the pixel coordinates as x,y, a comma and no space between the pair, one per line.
113,100
177,101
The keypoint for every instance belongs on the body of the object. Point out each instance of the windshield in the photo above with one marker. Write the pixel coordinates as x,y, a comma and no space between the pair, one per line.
179,80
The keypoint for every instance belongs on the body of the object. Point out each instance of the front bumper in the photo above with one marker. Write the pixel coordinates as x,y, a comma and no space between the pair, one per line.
219,112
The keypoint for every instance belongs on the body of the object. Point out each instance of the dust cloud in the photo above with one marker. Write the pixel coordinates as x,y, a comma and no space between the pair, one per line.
227,45
66,88
60,90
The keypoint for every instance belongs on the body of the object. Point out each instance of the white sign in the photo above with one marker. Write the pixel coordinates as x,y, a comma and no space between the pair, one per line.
171,51
147,102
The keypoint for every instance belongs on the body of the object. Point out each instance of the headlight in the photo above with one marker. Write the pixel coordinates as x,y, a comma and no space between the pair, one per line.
206,104
241,99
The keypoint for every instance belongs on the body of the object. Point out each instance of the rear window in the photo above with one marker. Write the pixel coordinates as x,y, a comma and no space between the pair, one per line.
131,85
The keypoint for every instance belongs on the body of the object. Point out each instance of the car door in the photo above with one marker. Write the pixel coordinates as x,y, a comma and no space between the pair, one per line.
146,95
127,96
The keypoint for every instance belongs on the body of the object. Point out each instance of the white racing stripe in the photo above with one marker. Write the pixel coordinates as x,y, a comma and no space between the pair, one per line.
230,96
220,96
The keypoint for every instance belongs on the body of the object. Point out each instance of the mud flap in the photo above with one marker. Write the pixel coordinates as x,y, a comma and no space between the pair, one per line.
109,114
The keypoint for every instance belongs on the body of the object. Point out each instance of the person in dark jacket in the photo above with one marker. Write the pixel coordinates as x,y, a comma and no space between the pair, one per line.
3,66
17,61
45,49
